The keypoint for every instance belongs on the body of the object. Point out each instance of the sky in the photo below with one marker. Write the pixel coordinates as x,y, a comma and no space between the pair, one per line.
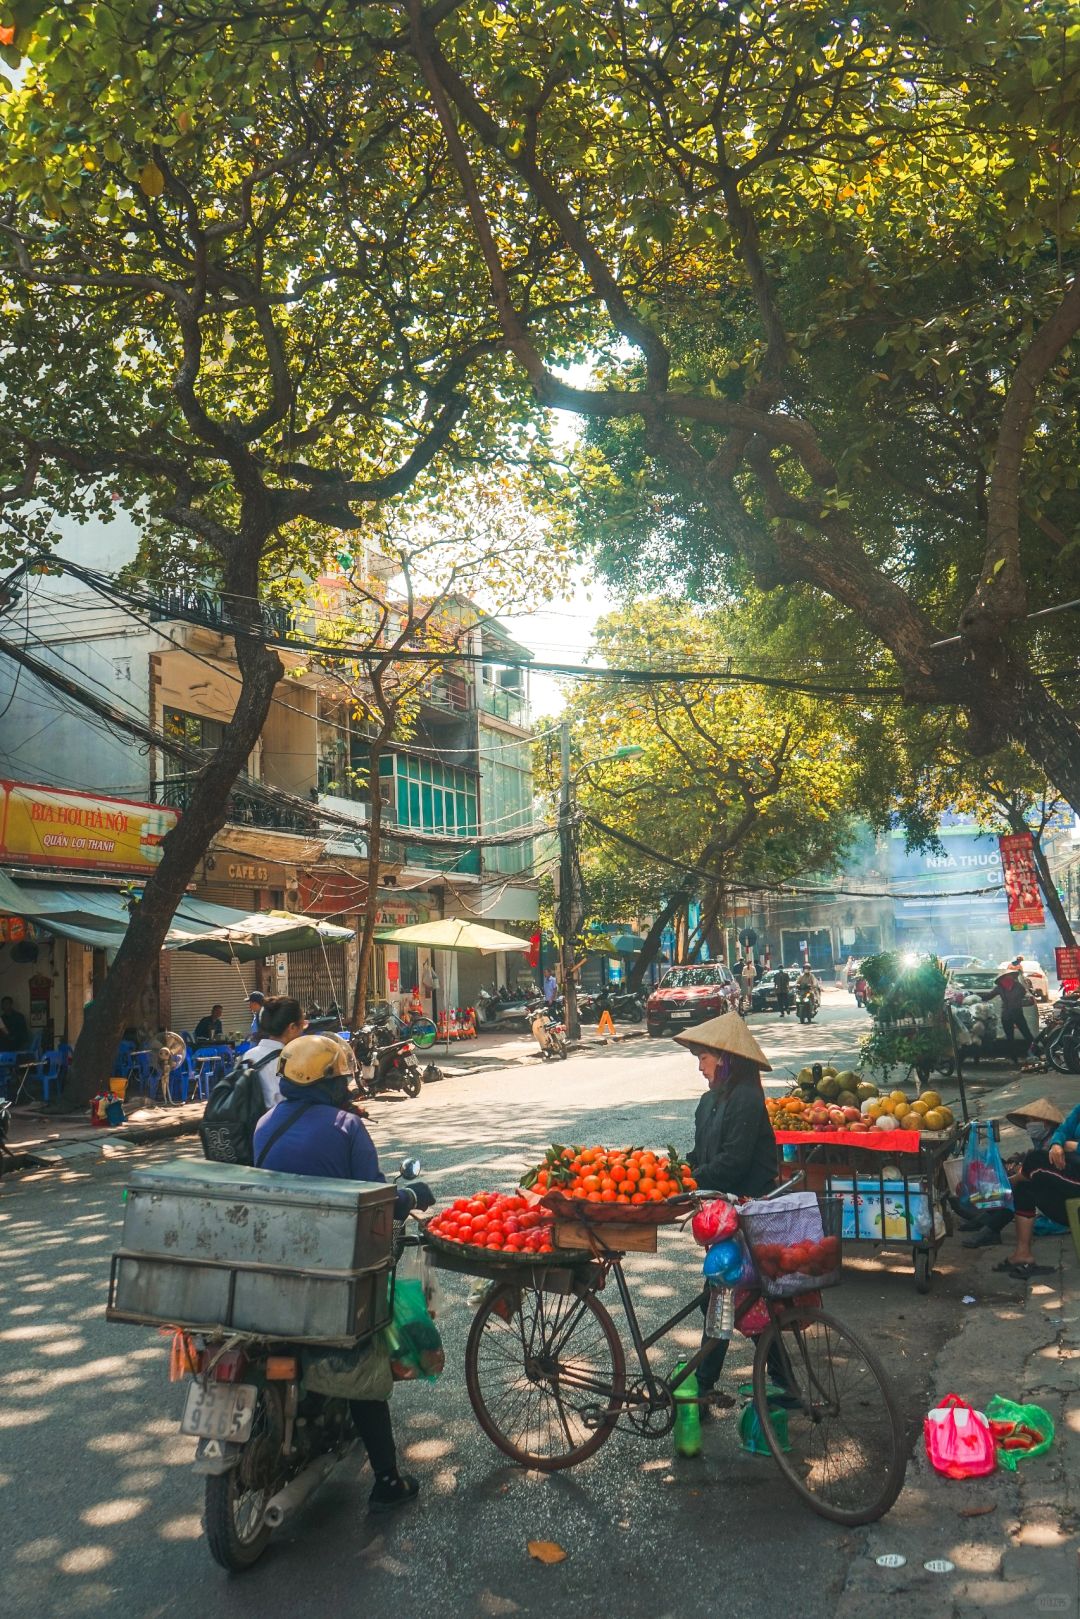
562,632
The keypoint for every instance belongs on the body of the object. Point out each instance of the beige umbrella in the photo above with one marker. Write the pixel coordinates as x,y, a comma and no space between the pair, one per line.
453,933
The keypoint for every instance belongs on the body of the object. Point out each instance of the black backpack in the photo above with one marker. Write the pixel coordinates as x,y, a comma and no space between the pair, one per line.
235,1107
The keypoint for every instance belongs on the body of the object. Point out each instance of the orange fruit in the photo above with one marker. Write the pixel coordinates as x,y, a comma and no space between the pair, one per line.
646,1184
639,1197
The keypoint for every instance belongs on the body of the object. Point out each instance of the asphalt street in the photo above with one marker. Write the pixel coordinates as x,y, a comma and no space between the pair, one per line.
99,1508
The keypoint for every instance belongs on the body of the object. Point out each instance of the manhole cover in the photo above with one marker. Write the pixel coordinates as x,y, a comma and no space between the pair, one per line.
890,1560
939,1565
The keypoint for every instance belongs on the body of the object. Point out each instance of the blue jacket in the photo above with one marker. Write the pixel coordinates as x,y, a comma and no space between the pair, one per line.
325,1140
1069,1131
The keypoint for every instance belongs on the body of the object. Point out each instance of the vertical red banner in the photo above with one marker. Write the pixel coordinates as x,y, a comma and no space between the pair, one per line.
1021,881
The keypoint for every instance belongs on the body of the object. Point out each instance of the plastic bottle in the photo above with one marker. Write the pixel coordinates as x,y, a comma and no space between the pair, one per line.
687,1415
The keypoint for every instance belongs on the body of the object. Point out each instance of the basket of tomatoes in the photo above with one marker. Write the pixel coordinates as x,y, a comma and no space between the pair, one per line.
795,1242
492,1229
628,1185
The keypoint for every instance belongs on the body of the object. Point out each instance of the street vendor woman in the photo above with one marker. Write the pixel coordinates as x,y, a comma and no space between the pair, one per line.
1047,1182
734,1144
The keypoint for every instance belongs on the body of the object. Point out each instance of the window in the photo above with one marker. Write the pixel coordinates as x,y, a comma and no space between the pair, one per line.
431,796
194,731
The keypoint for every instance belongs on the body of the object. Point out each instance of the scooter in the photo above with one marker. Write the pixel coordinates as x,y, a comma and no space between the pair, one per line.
622,1004
548,1032
391,1062
806,1005
502,1009
264,1443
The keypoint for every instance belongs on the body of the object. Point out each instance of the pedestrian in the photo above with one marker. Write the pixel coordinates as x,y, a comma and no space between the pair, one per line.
256,1001
14,1029
281,1020
313,1131
1047,1182
734,1145
782,982
749,974
851,972
1015,993
207,1031
551,986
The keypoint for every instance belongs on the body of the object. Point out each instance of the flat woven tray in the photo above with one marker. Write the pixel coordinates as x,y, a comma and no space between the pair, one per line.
579,1209
468,1253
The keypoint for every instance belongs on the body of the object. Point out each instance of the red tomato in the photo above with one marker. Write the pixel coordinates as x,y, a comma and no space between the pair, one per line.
494,1242
476,1206
460,1204
480,1222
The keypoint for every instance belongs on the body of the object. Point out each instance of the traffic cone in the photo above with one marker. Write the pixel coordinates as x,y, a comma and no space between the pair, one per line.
605,1025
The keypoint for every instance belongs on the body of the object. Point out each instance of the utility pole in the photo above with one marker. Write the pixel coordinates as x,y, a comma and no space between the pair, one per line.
567,907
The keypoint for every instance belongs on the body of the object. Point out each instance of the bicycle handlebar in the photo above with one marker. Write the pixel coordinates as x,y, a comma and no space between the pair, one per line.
730,1197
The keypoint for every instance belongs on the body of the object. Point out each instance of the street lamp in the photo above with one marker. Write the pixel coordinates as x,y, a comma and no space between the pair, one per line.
567,870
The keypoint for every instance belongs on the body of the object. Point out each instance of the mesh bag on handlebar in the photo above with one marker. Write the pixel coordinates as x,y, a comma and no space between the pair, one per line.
795,1242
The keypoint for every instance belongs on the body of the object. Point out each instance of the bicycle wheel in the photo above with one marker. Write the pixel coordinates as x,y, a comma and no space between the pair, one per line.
845,1452
546,1374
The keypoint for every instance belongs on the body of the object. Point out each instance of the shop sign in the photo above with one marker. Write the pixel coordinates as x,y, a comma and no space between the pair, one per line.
48,826
252,873
1067,958
399,916
1021,881
13,929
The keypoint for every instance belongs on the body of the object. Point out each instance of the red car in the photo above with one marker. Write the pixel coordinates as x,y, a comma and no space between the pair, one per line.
691,994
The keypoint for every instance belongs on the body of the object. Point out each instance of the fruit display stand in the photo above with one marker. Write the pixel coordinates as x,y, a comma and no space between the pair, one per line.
891,1185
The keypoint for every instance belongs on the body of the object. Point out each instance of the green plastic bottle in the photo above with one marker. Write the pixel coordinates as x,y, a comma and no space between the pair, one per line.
687,1415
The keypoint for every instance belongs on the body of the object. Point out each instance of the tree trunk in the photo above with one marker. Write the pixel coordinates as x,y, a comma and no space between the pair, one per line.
651,946
114,1008
371,904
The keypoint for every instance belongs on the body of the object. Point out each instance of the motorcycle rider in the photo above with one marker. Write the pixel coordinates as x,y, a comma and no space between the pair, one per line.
806,982
313,1131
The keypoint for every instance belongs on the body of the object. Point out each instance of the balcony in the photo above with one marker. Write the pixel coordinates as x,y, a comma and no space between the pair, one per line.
245,808
505,704
449,694
200,605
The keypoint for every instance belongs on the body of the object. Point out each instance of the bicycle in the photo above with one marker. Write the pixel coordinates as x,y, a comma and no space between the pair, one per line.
546,1374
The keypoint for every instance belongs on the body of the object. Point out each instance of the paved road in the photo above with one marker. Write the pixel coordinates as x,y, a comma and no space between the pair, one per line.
99,1508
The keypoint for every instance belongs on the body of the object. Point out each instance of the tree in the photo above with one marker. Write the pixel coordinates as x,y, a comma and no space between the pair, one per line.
230,298
825,265
731,787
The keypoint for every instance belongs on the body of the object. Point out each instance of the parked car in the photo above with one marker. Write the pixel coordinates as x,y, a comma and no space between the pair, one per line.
691,994
951,963
966,981
1035,975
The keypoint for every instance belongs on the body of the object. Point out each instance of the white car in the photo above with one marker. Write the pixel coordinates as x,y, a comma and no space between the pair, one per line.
1033,972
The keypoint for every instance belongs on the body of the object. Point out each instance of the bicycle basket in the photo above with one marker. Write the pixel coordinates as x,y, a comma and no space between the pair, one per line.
795,1242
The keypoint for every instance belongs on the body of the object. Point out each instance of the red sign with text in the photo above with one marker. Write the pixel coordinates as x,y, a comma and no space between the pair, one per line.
1021,881
1068,967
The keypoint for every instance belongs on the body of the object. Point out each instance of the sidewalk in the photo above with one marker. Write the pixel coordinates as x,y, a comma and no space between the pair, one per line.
1011,1537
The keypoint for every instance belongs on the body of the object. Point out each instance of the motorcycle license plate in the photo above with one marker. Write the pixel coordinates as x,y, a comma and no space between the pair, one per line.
686,1015
220,1411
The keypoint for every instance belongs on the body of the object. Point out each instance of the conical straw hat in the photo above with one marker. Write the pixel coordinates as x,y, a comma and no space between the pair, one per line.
725,1033
1042,1109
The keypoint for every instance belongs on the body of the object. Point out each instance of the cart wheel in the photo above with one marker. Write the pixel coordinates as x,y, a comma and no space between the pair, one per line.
545,1374
924,1269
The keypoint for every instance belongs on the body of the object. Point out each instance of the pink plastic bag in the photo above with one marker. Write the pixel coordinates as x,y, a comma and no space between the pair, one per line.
958,1439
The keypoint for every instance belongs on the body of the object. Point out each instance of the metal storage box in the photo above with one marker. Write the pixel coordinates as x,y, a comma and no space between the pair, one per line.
222,1247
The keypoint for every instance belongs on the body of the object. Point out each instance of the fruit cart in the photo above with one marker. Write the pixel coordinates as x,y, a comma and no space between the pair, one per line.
891,1184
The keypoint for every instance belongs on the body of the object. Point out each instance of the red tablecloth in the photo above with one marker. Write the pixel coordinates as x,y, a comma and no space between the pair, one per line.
876,1140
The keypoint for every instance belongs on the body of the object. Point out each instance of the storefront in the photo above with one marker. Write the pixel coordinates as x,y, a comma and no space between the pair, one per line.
85,855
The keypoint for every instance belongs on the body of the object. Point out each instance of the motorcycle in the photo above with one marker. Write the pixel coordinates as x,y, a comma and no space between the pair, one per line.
502,1009
548,1032
806,1005
622,1004
324,1022
393,1066
264,1443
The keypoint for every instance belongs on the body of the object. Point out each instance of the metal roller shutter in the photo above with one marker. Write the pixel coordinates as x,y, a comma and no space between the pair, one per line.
198,982
318,977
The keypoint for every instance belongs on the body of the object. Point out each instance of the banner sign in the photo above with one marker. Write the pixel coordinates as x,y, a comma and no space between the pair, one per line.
1068,965
48,826
1021,881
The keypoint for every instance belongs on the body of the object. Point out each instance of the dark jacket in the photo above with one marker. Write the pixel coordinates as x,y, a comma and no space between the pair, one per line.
324,1139
734,1145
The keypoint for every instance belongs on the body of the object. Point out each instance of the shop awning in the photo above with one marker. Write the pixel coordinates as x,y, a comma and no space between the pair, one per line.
98,917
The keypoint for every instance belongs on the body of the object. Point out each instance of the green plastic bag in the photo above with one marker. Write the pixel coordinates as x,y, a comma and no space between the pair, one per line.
1025,1420
416,1349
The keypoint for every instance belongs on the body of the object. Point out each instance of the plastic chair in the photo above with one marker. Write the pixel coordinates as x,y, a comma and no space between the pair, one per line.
142,1070
50,1072
124,1053
182,1077
9,1067
1072,1217
210,1064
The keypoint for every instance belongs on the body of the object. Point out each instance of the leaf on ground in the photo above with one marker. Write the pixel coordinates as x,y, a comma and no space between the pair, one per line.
546,1551
977,1512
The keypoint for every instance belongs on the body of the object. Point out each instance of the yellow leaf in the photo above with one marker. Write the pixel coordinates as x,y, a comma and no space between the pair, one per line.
546,1551
152,180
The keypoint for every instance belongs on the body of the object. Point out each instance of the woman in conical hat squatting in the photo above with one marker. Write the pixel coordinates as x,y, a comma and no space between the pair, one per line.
734,1145
1040,1119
